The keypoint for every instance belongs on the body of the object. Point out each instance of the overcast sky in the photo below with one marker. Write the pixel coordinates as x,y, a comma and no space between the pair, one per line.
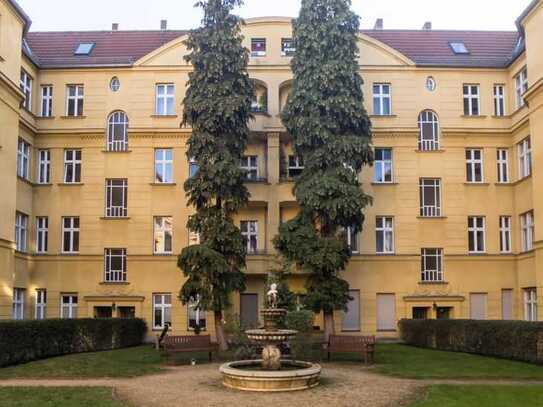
48,15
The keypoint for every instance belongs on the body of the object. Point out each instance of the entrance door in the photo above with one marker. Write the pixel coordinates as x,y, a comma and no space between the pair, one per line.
126,312
102,312
249,310
443,313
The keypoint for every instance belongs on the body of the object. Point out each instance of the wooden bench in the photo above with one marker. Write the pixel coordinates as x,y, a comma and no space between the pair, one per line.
348,344
190,343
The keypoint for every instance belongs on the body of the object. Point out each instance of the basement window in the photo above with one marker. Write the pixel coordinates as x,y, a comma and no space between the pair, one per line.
459,48
84,48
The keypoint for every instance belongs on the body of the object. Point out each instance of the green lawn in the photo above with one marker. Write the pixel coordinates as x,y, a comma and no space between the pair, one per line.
481,396
410,362
58,397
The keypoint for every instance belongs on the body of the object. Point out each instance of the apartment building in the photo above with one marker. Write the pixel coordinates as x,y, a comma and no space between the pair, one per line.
93,161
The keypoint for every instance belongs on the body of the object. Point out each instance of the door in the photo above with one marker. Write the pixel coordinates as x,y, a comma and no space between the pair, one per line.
507,304
443,313
386,312
351,318
477,306
103,312
249,310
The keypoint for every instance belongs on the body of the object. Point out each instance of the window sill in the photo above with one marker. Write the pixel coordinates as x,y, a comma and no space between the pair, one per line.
385,254
164,116
45,117
114,283
433,282
21,252
478,254
387,330
473,116
73,117
70,184
505,116
114,217
45,184
74,254
503,184
383,116
382,184
482,184
521,180
163,254
116,152
163,184
350,330
25,180
431,217
429,151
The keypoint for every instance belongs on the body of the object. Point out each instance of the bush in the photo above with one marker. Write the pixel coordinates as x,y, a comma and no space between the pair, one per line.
301,321
23,341
516,340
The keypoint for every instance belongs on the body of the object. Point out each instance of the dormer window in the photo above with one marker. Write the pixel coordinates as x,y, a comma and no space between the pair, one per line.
258,47
459,48
84,48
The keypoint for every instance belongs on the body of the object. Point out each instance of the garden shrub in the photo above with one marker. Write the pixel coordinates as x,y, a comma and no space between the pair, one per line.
23,341
304,346
516,340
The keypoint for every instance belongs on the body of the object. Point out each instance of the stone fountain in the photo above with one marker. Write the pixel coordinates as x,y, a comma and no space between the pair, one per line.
271,373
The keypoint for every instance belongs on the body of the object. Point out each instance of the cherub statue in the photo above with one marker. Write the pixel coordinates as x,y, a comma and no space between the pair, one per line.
272,296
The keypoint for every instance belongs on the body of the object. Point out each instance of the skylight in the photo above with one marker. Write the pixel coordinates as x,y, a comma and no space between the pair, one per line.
84,48
459,47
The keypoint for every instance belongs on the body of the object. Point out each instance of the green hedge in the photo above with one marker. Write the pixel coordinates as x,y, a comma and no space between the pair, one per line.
23,341
517,340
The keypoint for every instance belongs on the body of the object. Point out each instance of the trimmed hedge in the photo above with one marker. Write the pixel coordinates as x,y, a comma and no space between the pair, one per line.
23,341
516,340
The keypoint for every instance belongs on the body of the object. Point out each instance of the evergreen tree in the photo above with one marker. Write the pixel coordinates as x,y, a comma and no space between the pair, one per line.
217,107
331,131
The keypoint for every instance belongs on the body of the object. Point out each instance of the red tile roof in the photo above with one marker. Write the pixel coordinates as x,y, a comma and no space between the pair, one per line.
488,49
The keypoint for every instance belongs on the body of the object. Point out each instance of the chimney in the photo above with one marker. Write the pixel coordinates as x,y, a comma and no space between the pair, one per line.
163,24
427,26
378,24
115,27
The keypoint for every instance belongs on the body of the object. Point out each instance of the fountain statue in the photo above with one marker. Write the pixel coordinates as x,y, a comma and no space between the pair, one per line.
271,373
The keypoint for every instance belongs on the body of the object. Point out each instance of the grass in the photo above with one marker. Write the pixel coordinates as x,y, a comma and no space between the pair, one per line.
416,363
58,397
481,396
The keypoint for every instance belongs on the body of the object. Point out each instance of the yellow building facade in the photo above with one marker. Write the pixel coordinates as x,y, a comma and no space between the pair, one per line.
93,159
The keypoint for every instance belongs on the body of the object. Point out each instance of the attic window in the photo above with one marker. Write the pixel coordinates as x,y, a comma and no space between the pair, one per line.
459,48
84,48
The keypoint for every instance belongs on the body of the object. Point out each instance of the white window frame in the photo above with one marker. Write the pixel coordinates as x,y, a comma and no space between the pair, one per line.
472,93
165,165
499,100
474,232
194,238
530,304
521,86
111,275
75,164
472,163
429,275
430,211
165,99
249,163
44,166
162,225
116,211
46,106
429,117
527,230
72,231
506,242
525,158
286,50
352,240
259,53
384,231
502,160
23,159
193,309
295,163
42,234
18,308
383,165
21,232
162,306
40,311
26,87
248,234
114,143
71,306
79,95
382,99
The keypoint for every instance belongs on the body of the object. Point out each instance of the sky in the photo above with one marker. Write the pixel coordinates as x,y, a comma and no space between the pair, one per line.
62,15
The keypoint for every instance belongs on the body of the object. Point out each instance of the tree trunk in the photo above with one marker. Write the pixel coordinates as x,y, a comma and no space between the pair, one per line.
328,325
219,331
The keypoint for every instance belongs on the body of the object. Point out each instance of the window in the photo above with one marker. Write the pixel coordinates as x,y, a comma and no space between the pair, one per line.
530,304
194,238
115,84
258,47
72,166
474,165
68,306
430,197
197,317
165,99
420,312
115,265
384,234
249,230
386,312
84,48
23,159
476,234
505,234
42,234
471,100
503,165
74,100
477,306
383,166
44,166
287,47
18,303
163,232
351,238
459,47
41,304
430,83
525,158
295,166
162,310
117,132
26,87
521,86
507,304
499,100
193,167
46,101
432,265
116,198
164,166
527,229
21,231
429,131
70,235
381,99
351,317
249,163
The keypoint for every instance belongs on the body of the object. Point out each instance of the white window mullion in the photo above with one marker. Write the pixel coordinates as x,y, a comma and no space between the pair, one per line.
505,234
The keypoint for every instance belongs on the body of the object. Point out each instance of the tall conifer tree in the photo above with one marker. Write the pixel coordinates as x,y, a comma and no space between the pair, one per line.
331,131
217,107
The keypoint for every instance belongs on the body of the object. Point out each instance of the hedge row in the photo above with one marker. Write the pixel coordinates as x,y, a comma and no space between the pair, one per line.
516,340
23,341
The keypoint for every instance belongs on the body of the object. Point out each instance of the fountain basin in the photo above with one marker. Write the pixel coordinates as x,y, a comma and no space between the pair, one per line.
247,375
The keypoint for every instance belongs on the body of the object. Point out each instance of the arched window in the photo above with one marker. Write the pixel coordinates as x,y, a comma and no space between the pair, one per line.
429,131
117,132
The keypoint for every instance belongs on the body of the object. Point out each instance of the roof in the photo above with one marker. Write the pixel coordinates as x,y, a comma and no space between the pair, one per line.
488,49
